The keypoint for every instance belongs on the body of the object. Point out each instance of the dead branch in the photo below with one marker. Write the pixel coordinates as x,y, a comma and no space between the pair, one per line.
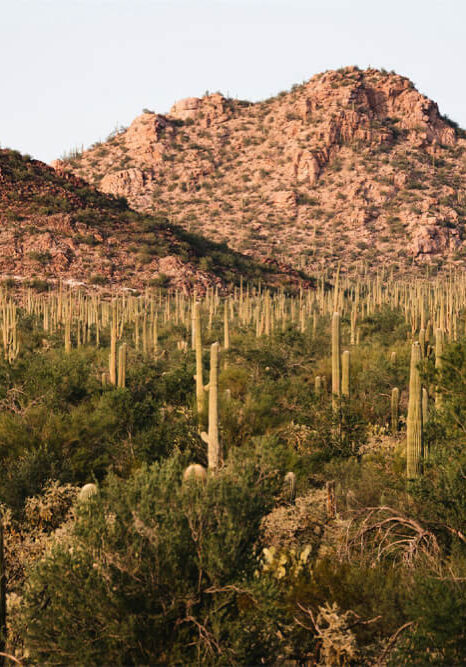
11,657
231,588
454,531
205,636
392,640
361,622
389,534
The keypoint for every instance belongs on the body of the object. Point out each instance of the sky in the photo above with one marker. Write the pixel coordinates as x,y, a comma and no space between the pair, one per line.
73,70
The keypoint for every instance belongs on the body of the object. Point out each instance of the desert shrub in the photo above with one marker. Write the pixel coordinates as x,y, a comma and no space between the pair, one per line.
98,279
64,425
438,609
156,570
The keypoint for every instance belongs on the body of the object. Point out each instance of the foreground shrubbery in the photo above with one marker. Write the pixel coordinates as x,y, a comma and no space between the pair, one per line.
158,567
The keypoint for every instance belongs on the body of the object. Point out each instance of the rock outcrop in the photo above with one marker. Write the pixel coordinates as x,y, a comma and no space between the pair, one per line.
350,165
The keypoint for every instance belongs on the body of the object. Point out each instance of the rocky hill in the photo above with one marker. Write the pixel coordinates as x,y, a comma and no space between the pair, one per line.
350,165
55,226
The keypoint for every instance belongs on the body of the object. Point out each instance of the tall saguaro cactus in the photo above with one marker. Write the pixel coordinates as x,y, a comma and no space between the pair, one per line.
2,594
122,366
414,440
336,371
113,341
68,333
395,410
226,326
345,371
155,334
214,453
200,396
354,319
438,363
422,342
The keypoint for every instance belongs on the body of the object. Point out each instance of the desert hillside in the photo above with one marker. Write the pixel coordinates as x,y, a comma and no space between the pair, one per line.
57,227
350,165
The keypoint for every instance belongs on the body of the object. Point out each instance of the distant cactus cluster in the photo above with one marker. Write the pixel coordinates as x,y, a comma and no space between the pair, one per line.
131,325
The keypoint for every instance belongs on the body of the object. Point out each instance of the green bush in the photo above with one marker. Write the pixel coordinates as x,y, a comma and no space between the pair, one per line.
155,572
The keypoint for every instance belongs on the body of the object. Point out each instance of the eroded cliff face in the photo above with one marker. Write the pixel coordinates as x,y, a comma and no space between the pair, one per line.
350,165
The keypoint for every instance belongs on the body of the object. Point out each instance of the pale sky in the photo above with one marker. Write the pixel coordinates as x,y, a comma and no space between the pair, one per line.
71,70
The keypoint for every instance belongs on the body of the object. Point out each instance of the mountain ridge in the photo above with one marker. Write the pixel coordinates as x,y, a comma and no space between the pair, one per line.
353,164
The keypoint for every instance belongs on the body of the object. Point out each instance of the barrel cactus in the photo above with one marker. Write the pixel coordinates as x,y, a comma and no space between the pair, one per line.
87,491
195,472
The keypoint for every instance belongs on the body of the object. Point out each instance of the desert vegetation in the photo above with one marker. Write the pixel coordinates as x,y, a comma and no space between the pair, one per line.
242,477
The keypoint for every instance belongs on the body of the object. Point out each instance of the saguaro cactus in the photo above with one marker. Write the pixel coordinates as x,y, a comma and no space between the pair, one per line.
200,397
290,486
226,326
318,385
354,319
395,410
438,363
414,440
336,373
267,321
345,369
214,453
113,340
2,593
122,365
155,334
422,342
68,333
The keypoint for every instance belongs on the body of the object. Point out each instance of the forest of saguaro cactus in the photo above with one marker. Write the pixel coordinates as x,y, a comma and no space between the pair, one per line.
251,477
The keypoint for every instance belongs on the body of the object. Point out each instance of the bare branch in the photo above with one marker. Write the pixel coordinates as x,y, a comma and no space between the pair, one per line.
392,640
370,531
11,657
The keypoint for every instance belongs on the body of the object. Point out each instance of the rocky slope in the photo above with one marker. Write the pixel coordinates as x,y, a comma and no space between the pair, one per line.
56,226
350,165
